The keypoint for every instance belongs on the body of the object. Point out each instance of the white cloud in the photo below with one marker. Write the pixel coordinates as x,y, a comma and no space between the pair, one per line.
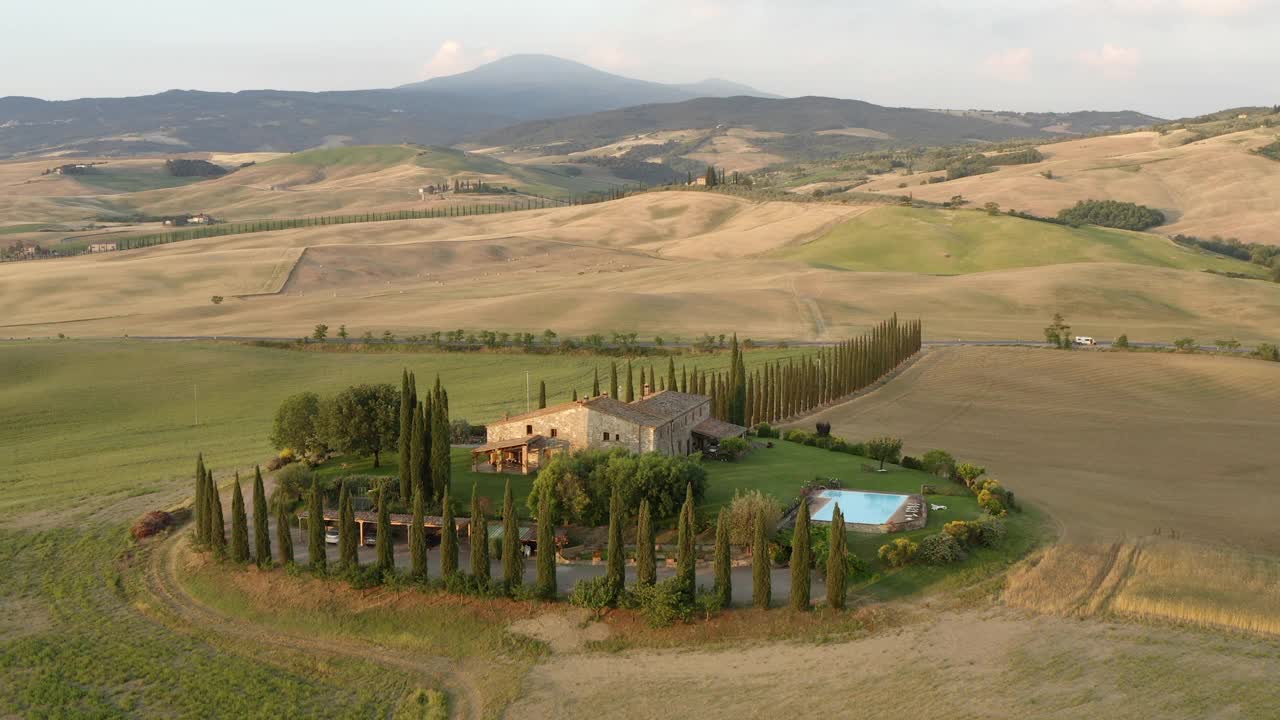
452,57
1012,65
1219,8
1112,61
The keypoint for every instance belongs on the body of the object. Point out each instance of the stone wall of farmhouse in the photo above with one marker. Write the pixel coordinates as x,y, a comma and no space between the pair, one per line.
620,433
569,424
676,438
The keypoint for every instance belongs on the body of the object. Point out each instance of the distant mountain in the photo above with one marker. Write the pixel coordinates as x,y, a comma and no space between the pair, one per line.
853,123
438,111
544,86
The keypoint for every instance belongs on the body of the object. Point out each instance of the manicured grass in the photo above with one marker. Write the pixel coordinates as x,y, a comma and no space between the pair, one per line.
964,241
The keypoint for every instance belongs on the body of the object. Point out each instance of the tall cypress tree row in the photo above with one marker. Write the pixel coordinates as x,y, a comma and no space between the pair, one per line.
348,531
512,557
761,572
418,537
685,559
201,504
615,572
385,545
261,535
646,560
405,433
801,559
239,525
217,524
724,575
479,540
836,580
315,526
284,540
542,394
448,538
545,586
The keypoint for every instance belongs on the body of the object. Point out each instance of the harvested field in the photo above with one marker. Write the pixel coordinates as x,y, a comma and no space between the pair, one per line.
1110,444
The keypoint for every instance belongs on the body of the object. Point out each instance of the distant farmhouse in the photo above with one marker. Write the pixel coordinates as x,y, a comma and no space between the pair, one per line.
181,220
668,422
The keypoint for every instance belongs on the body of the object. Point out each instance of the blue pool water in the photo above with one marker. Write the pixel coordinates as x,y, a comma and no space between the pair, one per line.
858,507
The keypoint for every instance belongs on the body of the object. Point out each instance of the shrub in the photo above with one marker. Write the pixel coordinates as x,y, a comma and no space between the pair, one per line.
963,531
911,463
823,428
1121,342
991,497
294,479
595,593
989,531
1267,351
898,553
969,473
849,448
796,436
765,430
940,463
742,511
734,447
662,603
1185,344
150,524
581,483
820,546
941,549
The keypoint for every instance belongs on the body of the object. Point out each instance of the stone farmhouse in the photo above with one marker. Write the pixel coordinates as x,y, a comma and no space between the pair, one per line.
669,422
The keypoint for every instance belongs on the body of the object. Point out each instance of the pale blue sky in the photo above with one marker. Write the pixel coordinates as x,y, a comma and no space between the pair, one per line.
1166,57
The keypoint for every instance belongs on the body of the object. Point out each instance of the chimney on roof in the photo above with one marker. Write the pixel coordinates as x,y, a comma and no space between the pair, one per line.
646,391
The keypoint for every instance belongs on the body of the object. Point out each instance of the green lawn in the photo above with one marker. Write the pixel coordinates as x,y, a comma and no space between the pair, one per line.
955,242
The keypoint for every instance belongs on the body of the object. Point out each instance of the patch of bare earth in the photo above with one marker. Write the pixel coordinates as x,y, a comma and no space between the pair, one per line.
563,632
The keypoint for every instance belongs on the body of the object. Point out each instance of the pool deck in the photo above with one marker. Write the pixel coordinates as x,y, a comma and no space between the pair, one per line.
897,522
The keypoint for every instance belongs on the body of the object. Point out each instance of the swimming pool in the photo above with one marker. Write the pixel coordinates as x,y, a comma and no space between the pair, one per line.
865,508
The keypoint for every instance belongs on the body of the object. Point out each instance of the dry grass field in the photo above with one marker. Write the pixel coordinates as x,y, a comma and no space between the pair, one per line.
674,264
1207,187
1110,444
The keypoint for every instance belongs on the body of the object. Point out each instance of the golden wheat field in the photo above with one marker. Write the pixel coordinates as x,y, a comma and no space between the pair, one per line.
1110,444
671,264
1206,187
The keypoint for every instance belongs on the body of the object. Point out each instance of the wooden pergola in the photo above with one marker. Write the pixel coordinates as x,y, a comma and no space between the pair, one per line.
516,455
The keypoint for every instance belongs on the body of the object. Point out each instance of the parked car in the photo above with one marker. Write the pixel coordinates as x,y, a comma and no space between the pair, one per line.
371,539
331,535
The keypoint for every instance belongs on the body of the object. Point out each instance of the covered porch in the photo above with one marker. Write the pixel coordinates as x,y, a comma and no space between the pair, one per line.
707,434
517,455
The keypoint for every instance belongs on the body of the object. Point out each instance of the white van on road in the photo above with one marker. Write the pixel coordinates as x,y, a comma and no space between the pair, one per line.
1085,340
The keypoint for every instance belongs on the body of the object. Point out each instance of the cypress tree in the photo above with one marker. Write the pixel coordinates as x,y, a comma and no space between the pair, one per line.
418,537
239,525
348,531
685,560
836,579
217,523
801,559
575,394
613,379
724,580
315,526
479,540
615,573
426,412
406,435
542,394
545,586
261,535
448,539
201,505
684,379
761,573
631,384
385,543
411,474
595,382
512,558
284,540
646,562
441,467
671,373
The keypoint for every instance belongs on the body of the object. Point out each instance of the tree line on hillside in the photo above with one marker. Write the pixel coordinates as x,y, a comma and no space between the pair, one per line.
1267,256
1112,214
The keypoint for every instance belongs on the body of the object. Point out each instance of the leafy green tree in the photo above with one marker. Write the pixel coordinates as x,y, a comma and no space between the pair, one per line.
512,559
320,333
385,545
348,531
363,419
239,525
1185,344
448,539
479,540
940,463
296,423
724,573
685,558
646,560
837,580
761,572
418,538
884,449
1058,332
545,586
261,535
1121,342
801,558
969,473
315,526
284,540
615,573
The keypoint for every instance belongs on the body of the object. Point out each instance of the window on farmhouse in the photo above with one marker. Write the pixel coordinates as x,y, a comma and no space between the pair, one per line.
553,432
606,437
617,437
528,429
